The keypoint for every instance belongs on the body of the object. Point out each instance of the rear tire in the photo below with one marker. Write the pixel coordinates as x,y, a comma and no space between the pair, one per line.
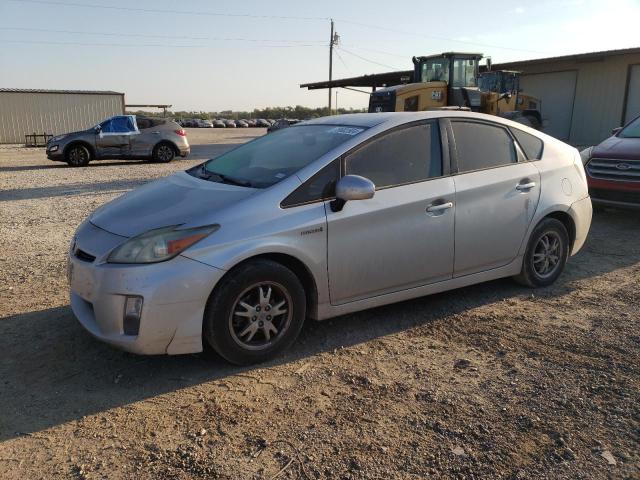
546,255
256,312
163,153
78,156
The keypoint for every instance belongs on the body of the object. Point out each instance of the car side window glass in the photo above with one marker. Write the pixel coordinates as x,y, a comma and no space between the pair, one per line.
531,145
406,155
321,186
105,127
480,146
121,125
143,123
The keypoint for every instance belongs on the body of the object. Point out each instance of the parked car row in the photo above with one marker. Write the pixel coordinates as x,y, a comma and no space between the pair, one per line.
226,123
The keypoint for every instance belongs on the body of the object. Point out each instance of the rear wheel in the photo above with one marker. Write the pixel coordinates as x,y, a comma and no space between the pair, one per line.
255,313
163,153
546,254
78,156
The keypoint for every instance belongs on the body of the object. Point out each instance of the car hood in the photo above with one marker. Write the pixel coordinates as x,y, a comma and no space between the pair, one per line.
615,147
175,200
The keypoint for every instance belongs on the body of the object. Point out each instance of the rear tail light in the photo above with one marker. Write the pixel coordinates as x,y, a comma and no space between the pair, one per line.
182,132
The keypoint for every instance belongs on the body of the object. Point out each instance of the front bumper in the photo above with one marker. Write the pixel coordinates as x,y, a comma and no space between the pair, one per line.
174,297
55,152
614,194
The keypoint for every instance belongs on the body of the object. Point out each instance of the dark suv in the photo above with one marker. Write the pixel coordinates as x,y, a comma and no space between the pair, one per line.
613,168
122,136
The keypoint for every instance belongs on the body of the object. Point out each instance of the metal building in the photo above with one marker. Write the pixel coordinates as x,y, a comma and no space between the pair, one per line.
25,112
583,96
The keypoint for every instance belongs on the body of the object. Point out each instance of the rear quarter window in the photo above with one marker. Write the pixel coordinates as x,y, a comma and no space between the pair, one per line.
531,145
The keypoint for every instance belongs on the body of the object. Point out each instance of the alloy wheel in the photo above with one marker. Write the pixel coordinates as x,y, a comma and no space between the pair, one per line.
547,254
165,153
77,156
260,316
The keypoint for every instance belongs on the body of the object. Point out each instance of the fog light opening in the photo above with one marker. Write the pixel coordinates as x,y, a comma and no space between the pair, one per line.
132,314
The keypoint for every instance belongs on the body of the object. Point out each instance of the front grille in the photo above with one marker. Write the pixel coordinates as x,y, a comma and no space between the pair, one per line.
613,169
615,195
84,256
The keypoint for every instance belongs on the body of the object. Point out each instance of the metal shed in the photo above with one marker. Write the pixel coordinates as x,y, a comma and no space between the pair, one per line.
24,112
583,96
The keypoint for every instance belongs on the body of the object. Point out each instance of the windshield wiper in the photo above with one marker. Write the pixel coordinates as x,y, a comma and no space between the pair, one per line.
227,178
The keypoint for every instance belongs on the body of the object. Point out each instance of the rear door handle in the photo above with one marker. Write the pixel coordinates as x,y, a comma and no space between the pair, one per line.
523,187
156,133
440,207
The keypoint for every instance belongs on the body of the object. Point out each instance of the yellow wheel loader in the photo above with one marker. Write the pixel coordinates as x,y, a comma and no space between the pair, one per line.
452,80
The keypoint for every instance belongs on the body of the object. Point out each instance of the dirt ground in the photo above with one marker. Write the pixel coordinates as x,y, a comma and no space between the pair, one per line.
491,381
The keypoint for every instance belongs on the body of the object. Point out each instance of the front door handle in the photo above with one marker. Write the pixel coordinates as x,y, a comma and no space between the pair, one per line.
440,207
524,187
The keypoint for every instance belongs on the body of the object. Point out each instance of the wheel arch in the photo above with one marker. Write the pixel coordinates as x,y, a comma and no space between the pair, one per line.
297,266
165,141
87,145
567,221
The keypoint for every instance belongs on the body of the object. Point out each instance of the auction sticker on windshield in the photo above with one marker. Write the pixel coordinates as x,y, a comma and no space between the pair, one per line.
346,130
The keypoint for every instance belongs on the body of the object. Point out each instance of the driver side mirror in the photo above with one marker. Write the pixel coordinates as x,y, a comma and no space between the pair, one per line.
97,128
352,187
615,131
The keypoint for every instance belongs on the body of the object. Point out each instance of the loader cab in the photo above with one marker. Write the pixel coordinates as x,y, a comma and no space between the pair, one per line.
500,81
459,70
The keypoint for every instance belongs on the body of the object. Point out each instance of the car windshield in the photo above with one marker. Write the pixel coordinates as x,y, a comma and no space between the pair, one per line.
632,130
274,157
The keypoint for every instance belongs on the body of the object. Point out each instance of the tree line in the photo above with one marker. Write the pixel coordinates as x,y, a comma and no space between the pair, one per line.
299,112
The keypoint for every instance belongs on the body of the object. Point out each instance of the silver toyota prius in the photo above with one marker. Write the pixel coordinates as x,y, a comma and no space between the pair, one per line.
324,218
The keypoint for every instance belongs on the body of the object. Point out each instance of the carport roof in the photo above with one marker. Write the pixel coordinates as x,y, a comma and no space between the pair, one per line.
580,57
72,92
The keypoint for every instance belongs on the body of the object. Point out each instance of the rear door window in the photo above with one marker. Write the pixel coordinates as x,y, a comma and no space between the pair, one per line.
531,145
406,155
480,146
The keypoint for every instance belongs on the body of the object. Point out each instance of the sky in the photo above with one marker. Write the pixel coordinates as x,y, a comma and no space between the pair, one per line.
213,55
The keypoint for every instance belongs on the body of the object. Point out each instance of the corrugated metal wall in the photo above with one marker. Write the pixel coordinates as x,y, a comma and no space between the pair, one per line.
600,95
28,112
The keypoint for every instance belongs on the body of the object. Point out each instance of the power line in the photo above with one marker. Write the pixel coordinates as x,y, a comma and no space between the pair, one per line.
379,51
173,12
436,37
172,37
367,60
343,62
83,44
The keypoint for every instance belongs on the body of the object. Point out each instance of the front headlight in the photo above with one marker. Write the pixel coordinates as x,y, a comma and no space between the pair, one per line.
585,155
159,245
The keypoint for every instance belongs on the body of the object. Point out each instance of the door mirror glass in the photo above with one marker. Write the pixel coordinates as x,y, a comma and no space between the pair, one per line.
352,187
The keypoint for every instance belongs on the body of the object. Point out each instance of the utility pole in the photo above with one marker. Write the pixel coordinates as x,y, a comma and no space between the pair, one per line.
331,43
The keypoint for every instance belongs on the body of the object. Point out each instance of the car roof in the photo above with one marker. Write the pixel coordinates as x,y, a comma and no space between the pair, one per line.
398,118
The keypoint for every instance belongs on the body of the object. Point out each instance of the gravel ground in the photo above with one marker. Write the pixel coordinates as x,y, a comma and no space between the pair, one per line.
491,381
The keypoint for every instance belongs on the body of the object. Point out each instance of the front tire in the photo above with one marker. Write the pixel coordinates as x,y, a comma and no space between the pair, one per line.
78,156
256,312
163,153
546,255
